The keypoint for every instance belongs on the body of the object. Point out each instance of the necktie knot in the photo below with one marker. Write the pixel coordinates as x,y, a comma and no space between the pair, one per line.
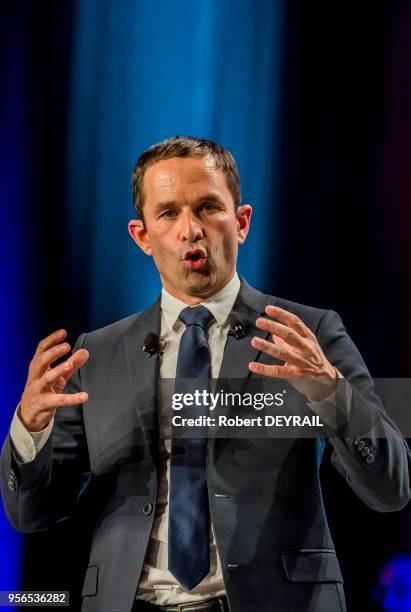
197,315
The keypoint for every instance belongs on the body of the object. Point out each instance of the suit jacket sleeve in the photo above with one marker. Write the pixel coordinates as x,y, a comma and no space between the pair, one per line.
368,449
42,492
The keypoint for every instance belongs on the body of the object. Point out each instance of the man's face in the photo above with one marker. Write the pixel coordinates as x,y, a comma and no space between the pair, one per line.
190,226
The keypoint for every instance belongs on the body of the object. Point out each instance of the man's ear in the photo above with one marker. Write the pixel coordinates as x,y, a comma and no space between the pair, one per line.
243,222
138,232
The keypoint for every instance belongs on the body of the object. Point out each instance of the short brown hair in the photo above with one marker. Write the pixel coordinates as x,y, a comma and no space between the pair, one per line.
185,146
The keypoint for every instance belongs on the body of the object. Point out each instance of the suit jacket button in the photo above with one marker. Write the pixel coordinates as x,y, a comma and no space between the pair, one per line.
147,509
360,445
366,451
232,566
357,439
370,458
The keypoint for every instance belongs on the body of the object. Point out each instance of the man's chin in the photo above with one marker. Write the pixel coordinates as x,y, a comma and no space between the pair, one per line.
198,282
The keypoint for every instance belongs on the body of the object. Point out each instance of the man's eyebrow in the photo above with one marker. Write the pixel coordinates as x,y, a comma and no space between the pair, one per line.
165,204
210,197
213,197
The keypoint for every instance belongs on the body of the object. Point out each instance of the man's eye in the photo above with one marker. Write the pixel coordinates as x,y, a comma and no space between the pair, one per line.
168,214
208,206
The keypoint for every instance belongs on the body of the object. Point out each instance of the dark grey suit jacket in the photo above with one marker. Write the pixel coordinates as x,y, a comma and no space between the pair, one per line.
272,534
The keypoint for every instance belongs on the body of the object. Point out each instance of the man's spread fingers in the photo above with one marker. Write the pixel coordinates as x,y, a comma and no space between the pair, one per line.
53,374
59,385
41,362
67,368
289,319
283,331
78,359
51,340
274,371
67,399
279,352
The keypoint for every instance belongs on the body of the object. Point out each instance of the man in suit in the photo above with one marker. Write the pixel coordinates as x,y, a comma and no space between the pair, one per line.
228,523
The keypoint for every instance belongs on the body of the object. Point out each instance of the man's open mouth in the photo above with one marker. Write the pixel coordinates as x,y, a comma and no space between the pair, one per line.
195,259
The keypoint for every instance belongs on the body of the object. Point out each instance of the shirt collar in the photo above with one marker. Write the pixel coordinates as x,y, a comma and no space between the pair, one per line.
220,304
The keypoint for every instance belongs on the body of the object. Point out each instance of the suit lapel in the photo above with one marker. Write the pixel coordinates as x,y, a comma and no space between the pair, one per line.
238,353
143,372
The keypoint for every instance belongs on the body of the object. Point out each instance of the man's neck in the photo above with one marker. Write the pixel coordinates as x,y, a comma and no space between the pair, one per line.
193,300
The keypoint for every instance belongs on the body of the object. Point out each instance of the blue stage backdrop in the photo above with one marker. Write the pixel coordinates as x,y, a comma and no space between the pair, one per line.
145,71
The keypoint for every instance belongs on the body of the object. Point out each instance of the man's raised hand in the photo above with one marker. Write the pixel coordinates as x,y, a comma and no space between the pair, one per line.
43,392
305,365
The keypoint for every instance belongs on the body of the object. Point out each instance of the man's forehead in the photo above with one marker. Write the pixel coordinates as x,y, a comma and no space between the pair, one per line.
177,171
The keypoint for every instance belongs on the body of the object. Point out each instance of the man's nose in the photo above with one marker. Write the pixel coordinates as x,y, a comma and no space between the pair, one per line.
190,228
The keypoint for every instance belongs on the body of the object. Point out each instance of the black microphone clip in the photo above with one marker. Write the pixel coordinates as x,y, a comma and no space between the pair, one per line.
238,327
151,344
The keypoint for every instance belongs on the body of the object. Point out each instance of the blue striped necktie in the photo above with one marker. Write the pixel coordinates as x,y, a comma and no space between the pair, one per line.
188,528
